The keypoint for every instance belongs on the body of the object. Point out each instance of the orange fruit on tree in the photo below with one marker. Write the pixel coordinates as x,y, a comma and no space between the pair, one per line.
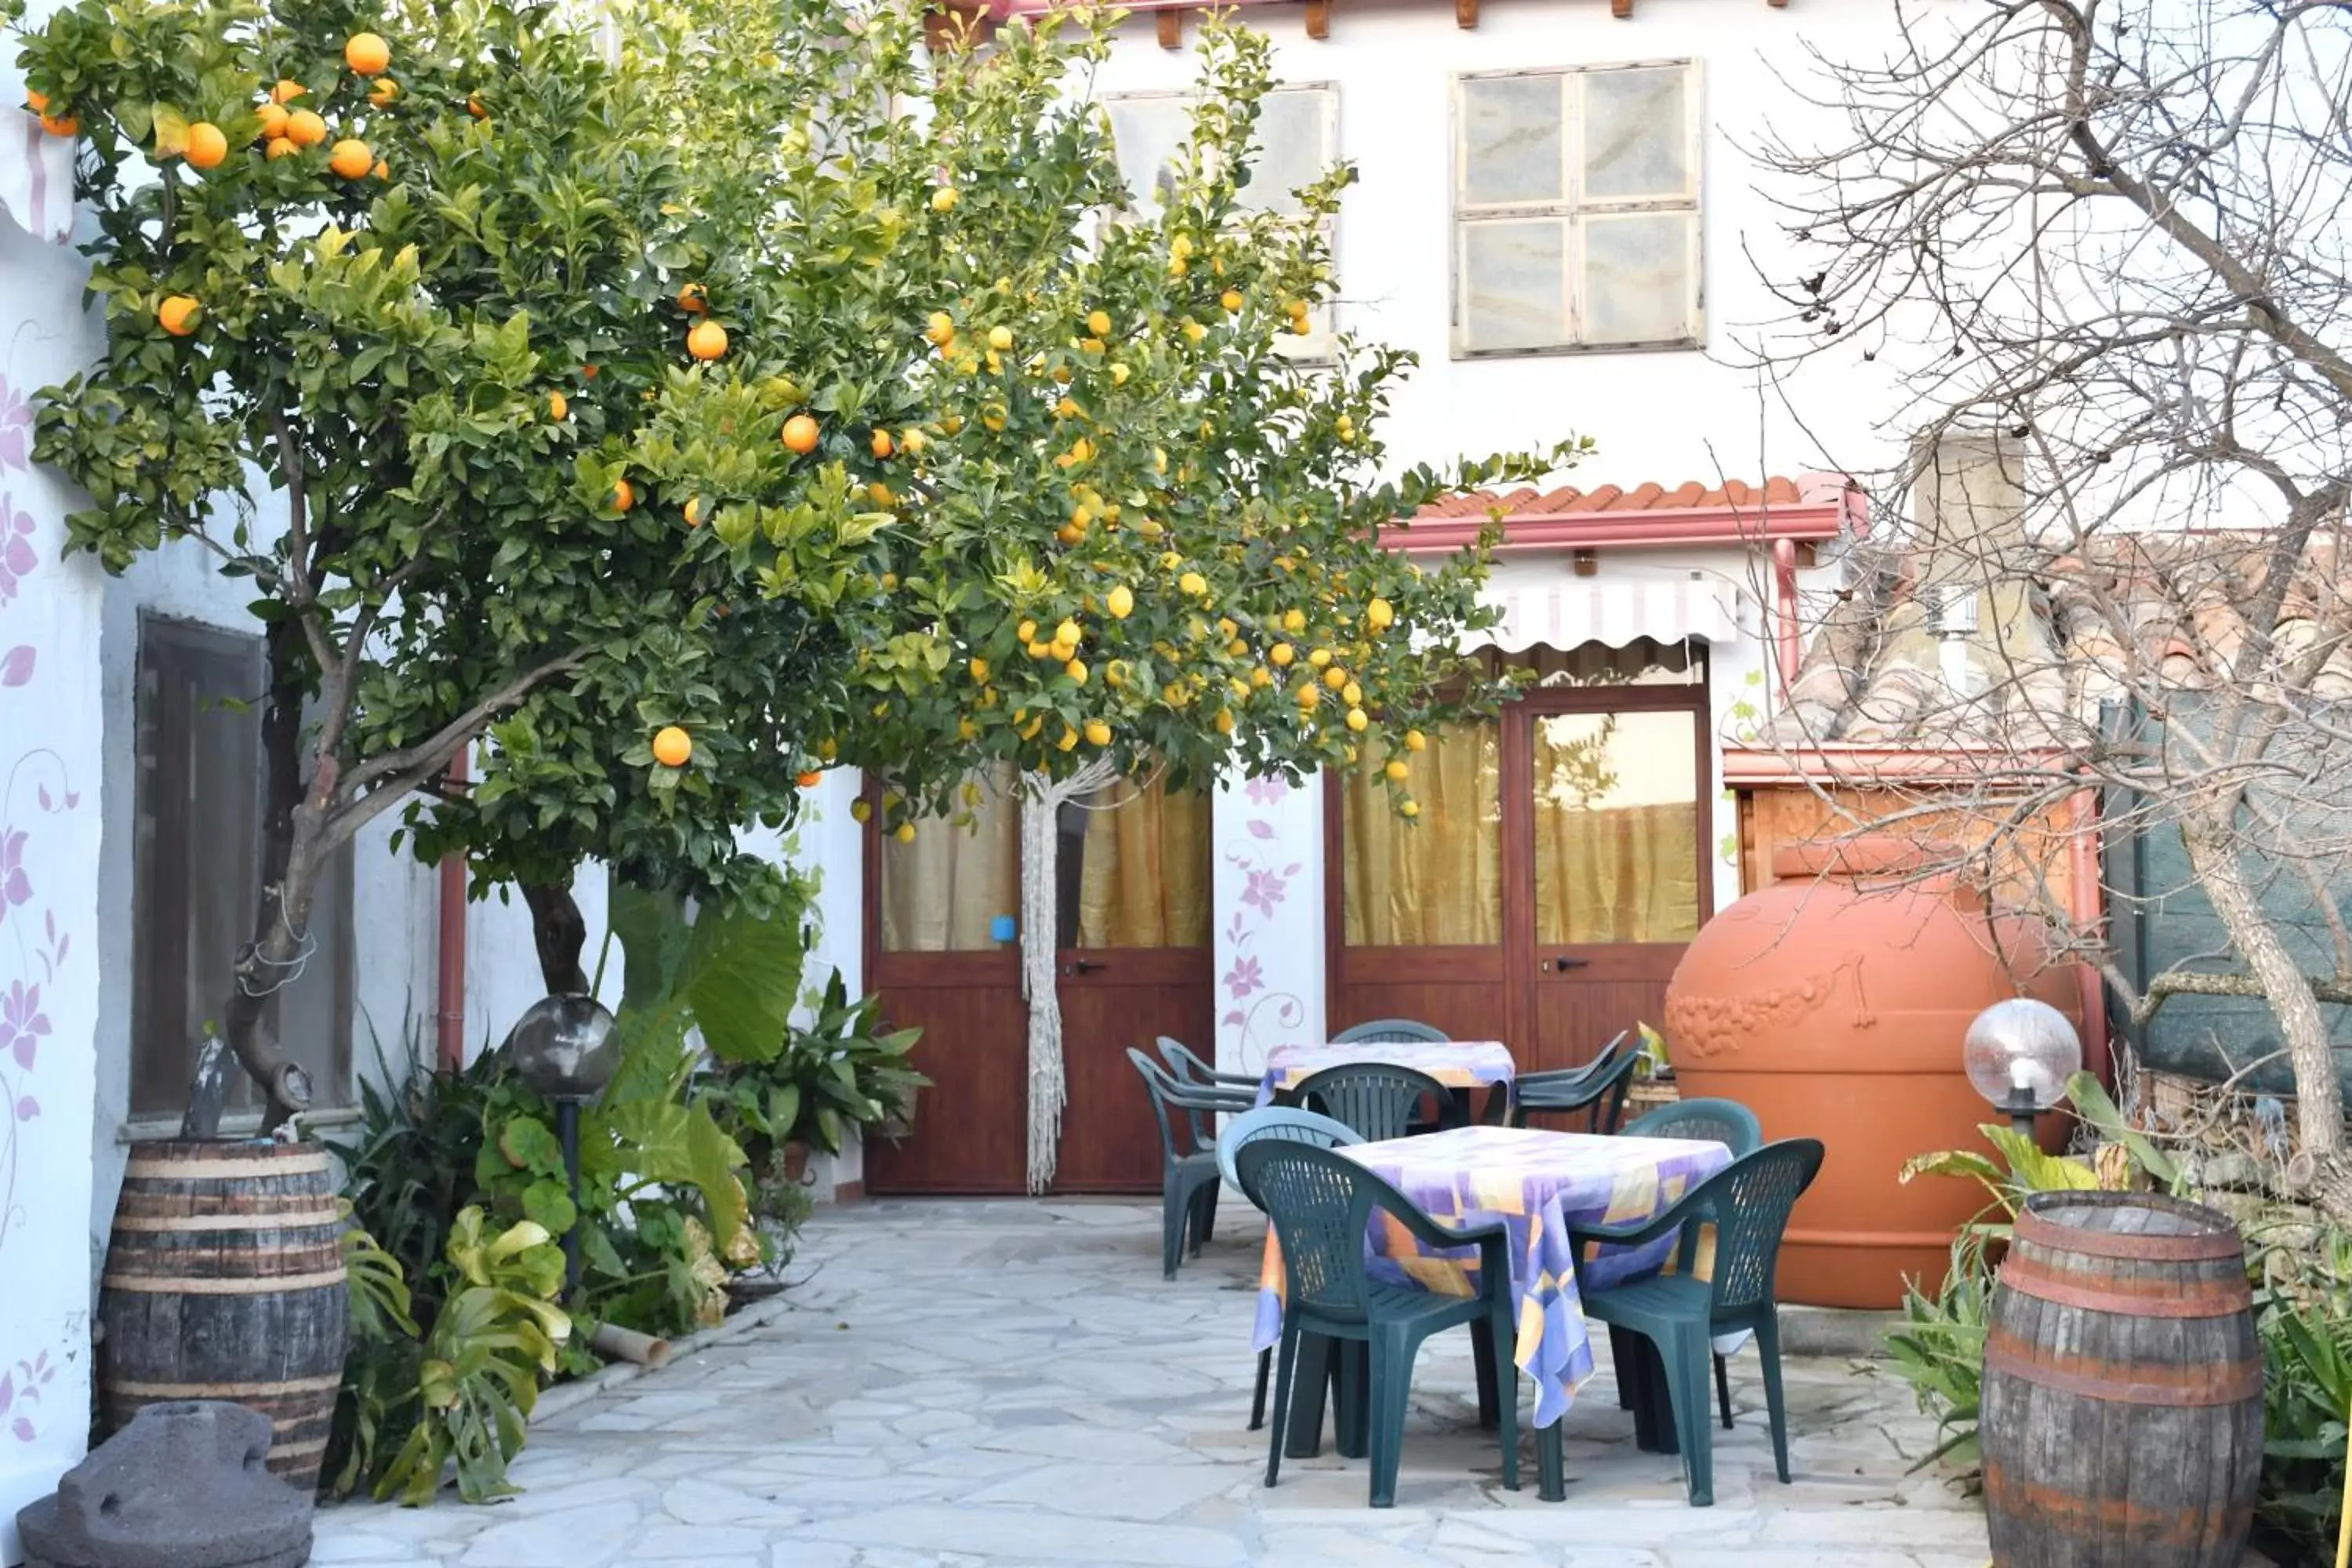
809,780
624,495
305,129
38,102
558,406
801,434
288,90
384,93
352,158
693,511
383,171
366,53
707,340
279,147
60,124
881,444
673,747
178,314
477,108
206,145
693,300
588,372
273,120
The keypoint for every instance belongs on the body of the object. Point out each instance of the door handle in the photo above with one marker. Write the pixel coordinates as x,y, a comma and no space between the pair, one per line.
1084,966
1565,962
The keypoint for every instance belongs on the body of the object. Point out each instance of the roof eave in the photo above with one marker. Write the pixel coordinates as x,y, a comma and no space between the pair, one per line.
1801,522
1839,763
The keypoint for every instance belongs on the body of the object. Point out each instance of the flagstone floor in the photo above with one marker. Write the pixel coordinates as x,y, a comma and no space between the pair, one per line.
994,1384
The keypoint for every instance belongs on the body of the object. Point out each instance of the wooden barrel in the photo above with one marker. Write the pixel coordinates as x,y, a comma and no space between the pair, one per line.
2122,1414
225,1280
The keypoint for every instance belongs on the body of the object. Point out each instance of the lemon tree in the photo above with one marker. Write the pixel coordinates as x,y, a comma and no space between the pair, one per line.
397,296
1118,530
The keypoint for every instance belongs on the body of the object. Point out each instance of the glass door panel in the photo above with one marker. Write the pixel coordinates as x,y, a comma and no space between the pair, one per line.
1135,868
948,890
1616,828
1434,880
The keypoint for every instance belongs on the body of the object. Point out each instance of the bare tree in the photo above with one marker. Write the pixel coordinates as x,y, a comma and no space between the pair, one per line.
2098,245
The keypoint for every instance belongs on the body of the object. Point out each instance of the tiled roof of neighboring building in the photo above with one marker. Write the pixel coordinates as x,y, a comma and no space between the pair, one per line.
2043,637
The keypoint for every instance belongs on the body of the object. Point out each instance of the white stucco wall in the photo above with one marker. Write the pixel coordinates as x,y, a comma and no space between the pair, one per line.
52,963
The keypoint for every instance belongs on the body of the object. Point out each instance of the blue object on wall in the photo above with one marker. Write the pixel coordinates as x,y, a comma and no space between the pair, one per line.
1002,928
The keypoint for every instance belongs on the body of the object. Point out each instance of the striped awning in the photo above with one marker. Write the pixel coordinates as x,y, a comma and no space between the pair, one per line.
1567,612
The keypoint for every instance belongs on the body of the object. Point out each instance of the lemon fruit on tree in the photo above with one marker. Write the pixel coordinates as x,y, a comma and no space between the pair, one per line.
448,363
1106,496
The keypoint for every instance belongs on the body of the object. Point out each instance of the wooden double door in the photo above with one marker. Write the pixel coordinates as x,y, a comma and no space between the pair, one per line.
1558,865
1133,960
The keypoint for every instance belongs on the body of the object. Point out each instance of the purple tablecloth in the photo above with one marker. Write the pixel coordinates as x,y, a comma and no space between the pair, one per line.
1538,1184
1456,1064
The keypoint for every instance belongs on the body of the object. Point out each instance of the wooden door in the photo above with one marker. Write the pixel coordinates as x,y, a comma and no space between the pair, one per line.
1556,869
1133,962
1415,908
1617,871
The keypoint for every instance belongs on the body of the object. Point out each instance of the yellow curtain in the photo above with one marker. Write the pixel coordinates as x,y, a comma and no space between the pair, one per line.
940,892
1437,879
1144,880
1616,828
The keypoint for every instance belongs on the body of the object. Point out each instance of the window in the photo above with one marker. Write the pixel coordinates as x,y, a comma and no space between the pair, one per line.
1576,212
195,861
1298,140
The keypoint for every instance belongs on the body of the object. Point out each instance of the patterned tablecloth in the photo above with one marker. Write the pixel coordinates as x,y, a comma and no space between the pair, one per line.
1538,1184
1456,1064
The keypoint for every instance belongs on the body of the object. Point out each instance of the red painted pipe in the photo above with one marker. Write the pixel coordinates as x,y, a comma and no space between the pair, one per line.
451,1018
1790,637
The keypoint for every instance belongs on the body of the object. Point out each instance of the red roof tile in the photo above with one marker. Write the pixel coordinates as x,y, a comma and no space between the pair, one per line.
1567,500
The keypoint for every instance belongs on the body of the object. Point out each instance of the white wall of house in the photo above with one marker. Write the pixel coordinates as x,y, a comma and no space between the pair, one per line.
52,970
1664,416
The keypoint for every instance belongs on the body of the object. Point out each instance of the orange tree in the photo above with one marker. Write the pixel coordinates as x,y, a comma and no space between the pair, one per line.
1125,532
394,297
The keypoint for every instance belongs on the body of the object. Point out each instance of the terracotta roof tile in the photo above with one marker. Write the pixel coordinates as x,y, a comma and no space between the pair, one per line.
1692,494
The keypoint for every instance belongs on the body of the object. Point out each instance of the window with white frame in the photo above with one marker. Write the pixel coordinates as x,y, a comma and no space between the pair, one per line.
1576,209
1298,140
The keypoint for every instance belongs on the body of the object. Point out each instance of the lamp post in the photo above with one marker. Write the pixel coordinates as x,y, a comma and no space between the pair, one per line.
2018,1054
566,1047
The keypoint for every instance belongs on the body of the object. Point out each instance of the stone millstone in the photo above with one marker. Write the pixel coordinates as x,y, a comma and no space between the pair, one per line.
183,1486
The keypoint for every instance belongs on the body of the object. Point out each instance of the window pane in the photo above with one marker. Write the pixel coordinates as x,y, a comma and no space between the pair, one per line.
1637,278
1513,290
1147,133
1435,881
1510,136
1636,134
1135,868
1291,130
943,892
1616,820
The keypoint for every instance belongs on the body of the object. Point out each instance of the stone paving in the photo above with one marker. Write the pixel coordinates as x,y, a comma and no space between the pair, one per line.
1004,1384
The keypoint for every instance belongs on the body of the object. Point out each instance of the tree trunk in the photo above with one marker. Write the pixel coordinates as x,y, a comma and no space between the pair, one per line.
2320,1107
560,935
291,851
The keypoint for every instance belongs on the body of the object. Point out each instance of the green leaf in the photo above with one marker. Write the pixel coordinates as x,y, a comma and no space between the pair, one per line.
529,1146
2092,1103
549,1203
668,1143
742,977
2037,1172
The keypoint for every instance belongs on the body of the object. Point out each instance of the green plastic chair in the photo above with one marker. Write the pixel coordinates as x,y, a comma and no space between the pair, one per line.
1188,1170
1598,1088
1392,1032
1377,1099
1602,1060
1188,1068
1748,1202
1272,1121
1238,1093
1321,1204
1724,1122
